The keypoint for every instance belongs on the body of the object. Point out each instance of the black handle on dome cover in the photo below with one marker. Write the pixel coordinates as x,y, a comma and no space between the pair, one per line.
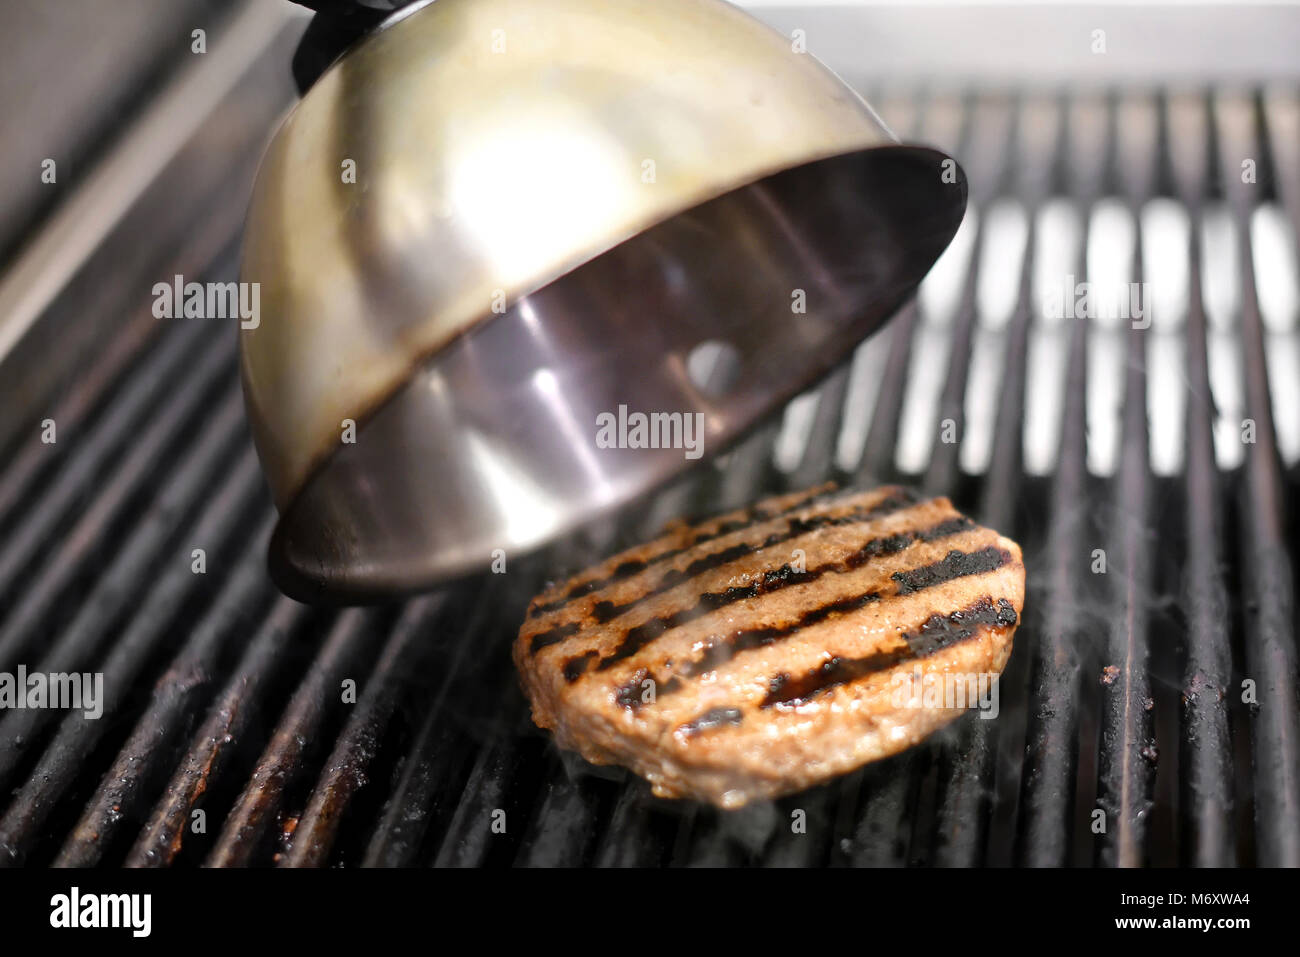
321,6
337,25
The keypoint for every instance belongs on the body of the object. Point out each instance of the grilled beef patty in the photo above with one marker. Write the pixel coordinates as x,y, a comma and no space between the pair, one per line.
769,649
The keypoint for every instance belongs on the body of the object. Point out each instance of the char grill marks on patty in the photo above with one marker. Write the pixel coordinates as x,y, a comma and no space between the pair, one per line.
715,634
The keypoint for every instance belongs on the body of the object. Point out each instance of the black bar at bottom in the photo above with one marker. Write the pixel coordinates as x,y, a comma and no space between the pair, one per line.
953,907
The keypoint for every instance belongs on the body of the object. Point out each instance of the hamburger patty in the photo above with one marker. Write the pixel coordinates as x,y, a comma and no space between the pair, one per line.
763,651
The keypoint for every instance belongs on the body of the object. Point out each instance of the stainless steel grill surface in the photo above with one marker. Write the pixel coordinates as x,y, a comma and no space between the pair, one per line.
1146,472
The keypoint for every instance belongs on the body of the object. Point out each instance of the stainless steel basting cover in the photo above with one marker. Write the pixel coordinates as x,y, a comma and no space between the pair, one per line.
493,224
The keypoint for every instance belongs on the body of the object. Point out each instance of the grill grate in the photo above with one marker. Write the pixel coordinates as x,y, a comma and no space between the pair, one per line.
225,698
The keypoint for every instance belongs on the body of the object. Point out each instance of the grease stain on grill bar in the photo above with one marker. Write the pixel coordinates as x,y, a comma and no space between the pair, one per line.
935,634
897,498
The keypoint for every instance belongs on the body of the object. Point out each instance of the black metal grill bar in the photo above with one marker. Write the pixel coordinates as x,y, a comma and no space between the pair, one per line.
1268,580
112,593
431,785
745,472
1128,750
563,829
566,817
121,798
1056,633
881,798
470,840
1207,749
161,839
958,837
942,473
125,352
230,717
129,362
818,460
969,773
877,462
345,772
889,792
247,827
628,840
877,459
962,765
32,614
65,757
78,472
